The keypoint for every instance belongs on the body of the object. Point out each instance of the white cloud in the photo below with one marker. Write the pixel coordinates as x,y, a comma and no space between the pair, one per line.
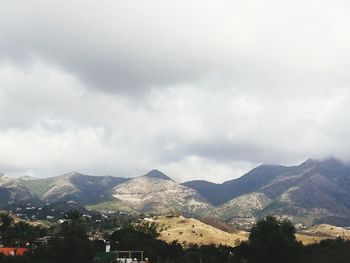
203,89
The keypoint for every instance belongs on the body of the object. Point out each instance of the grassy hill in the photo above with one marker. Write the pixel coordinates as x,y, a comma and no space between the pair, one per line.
189,230
321,232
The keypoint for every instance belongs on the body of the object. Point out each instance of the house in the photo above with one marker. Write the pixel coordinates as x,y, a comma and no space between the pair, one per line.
13,251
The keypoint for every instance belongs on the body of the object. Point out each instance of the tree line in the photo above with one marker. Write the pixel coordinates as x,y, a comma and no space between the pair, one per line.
270,240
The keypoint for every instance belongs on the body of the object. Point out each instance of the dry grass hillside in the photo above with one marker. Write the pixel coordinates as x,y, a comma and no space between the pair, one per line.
192,231
321,232
310,239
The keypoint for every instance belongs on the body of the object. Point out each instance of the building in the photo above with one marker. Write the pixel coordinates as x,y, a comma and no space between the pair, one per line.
13,251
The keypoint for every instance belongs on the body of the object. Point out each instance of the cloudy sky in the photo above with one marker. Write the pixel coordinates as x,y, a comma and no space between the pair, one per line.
198,89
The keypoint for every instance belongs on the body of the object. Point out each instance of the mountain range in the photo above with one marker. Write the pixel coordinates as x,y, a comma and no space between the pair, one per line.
310,193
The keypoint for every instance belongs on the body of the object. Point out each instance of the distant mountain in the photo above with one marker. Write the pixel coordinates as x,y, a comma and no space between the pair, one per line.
156,193
313,192
318,191
13,190
211,191
158,175
218,194
74,186
310,193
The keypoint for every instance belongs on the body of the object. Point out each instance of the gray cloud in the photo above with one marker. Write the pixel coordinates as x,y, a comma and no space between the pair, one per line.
196,89
126,47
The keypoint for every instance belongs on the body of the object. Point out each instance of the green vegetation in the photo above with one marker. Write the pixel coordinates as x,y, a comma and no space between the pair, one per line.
113,204
18,233
270,241
327,251
38,187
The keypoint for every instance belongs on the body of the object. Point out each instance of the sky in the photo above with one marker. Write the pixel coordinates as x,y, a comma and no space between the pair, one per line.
197,89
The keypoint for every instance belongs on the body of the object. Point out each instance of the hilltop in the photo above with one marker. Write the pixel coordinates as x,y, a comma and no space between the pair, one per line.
192,231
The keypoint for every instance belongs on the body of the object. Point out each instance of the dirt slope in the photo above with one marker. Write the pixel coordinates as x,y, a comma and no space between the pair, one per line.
189,230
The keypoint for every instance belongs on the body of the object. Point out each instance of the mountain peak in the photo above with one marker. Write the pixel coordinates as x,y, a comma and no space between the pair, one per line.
27,178
309,162
71,174
157,174
328,162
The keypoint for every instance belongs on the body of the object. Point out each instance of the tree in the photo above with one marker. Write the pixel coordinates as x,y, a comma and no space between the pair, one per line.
335,251
271,240
6,228
73,216
70,243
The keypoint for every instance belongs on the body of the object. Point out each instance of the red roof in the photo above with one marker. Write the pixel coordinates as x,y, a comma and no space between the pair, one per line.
13,251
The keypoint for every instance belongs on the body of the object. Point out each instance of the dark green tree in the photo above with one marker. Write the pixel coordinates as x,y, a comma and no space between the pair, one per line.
70,243
335,251
7,224
272,241
73,217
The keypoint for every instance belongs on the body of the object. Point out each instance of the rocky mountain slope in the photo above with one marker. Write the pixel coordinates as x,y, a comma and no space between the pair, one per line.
311,193
218,194
155,192
13,190
74,186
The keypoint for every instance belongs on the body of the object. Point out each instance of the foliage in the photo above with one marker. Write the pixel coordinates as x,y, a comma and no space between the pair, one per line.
144,237
71,243
18,233
335,251
271,240
208,254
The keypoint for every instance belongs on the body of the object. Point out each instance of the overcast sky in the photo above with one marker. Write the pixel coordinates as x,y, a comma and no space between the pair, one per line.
197,89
